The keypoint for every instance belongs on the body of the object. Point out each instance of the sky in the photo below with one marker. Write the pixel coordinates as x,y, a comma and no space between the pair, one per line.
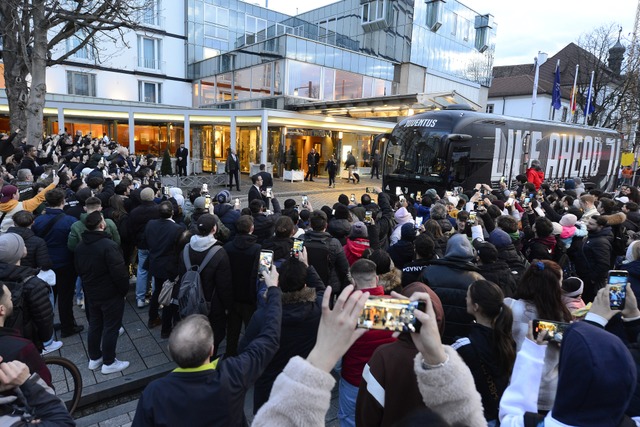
526,27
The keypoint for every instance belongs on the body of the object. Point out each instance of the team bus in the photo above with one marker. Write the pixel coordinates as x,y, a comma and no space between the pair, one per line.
460,147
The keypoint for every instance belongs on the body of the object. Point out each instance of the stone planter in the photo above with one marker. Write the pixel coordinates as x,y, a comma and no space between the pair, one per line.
293,175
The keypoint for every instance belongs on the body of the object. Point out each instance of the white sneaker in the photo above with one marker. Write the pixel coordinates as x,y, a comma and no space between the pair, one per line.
143,303
95,364
55,345
116,366
121,331
80,301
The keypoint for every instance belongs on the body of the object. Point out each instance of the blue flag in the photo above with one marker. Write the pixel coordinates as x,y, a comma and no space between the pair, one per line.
589,103
555,96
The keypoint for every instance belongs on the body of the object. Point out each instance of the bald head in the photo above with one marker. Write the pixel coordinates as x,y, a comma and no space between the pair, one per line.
191,342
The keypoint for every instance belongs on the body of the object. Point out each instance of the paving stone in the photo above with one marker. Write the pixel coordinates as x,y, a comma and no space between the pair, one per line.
147,346
155,360
116,421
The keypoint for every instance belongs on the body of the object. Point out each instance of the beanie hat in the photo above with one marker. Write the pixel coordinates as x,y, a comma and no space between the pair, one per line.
11,248
223,197
596,378
572,287
147,194
499,238
7,193
557,228
200,202
568,220
403,216
432,193
569,184
342,212
358,230
408,232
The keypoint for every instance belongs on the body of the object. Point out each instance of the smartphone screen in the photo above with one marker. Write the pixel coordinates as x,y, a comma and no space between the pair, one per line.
305,200
207,201
370,190
419,220
297,247
390,314
368,216
398,191
555,330
617,286
526,202
266,261
419,195
353,198
269,192
472,216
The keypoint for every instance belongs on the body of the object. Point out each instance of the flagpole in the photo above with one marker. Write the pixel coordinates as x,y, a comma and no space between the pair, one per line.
573,93
589,95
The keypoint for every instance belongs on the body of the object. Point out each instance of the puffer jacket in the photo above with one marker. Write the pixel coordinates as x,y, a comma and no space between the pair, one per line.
540,248
401,253
38,313
340,229
597,251
263,224
57,238
500,274
37,251
244,253
339,272
228,215
138,219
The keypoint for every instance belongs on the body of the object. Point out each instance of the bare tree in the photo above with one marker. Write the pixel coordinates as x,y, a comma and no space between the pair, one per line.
611,89
31,30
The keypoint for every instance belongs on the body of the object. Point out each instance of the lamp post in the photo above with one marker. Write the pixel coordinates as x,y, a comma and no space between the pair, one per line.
537,62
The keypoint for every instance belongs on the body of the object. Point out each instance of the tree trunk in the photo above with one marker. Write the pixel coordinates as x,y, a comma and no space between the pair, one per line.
35,106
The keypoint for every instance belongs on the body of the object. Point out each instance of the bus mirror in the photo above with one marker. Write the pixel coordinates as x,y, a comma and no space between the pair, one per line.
459,137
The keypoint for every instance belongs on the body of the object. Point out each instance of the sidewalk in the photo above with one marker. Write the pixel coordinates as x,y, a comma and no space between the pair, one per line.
147,352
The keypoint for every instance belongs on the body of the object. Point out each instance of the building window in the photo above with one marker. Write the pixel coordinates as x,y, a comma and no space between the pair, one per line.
81,83
490,108
255,29
85,52
150,92
454,24
151,13
435,10
483,25
374,10
149,53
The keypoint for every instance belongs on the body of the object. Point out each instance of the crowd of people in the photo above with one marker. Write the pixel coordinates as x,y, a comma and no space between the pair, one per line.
81,219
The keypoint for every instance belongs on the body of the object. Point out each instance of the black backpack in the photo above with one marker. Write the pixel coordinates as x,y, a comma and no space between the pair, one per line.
319,256
20,318
620,240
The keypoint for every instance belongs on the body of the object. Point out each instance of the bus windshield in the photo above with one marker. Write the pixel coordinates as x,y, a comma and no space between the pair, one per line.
417,152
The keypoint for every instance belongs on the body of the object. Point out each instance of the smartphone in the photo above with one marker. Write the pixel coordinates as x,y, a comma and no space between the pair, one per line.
398,191
370,190
265,263
419,195
165,191
207,201
305,201
269,192
555,330
368,217
237,204
472,216
352,198
419,221
526,202
297,247
617,287
390,314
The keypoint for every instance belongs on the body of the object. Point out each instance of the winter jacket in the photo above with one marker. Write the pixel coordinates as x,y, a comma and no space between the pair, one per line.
572,303
37,251
243,252
228,215
263,224
37,311
401,253
385,220
79,227
213,395
281,246
632,222
15,347
540,248
633,268
514,259
499,273
391,280
354,248
138,219
490,378
340,229
339,266
101,266
536,177
412,271
13,206
450,278
597,252
301,312
162,236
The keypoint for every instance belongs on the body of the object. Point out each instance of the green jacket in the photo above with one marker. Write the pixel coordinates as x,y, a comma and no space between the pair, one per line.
78,227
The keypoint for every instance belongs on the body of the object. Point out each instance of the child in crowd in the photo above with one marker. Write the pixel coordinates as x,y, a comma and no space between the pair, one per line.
572,294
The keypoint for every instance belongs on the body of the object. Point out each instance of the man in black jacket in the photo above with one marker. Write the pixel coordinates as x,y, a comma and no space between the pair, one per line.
105,279
264,224
138,219
244,252
182,155
37,251
162,237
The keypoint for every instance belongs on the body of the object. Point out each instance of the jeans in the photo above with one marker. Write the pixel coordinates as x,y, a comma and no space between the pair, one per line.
106,318
142,275
79,292
347,400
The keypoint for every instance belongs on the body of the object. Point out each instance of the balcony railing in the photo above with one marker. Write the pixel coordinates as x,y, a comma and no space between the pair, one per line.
150,64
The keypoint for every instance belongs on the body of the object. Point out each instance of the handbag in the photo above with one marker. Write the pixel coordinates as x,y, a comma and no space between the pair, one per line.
165,298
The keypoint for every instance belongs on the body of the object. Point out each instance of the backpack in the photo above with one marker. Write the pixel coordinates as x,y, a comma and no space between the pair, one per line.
20,319
191,298
620,240
319,256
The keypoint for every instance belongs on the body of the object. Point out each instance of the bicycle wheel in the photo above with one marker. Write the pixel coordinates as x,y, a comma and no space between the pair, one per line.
66,379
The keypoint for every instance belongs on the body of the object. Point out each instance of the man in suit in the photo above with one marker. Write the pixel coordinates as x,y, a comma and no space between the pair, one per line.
375,164
316,155
232,167
267,182
182,154
162,236
255,192
311,165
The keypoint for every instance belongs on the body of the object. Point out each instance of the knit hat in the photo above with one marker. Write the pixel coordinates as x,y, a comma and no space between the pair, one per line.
7,193
147,195
499,238
223,197
568,220
408,232
569,184
432,193
200,202
358,230
341,211
403,216
596,378
205,224
572,287
557,228
11,248
487,252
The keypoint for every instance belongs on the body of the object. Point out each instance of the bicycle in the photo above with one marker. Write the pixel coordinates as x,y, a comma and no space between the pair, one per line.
66,380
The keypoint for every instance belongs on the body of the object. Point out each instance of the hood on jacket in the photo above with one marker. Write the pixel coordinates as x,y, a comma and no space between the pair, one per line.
25,233
390,280
616,218
244,241
201,243
89,237
15,273
596,378
414,287
7,206
459,247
